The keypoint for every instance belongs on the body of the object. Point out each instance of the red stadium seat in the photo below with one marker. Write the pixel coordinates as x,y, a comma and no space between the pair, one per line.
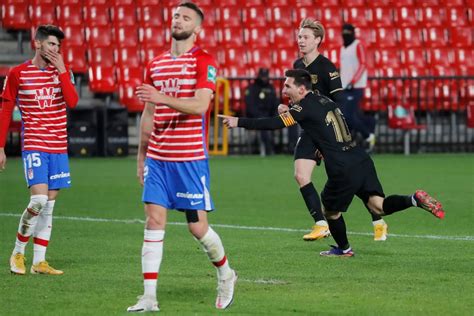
122,2
210,18
101,56
207,38
283,37
132,75
331,3
403,3
99,36
102,79
387,58
304,12
280,16
260,58
356,16
67,2
386,37
366,35
333,54
470,116
353,3
123,15
435,37
150,16
43,14
277,3
410,37
69,14
229,3
257,37
432,16
151,36
333,38
464,58
284,58
126,36
254,16
380,17
331,16
74,35
127,56
147,53
413,57
229,17
33,2
233,71
75,57
304,3
251,3
234,55
462,36
452,3
427,3
406,16
379,3
96,15
231,37
456,16
128,98
440,57
15,16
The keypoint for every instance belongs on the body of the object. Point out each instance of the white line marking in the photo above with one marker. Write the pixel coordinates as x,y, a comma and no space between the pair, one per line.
278,229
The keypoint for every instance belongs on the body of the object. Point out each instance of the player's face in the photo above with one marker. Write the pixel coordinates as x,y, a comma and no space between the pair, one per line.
51,44
307,43
291,90
185,23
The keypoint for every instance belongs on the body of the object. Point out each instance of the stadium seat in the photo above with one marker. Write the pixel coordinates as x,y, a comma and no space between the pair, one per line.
260,58
231,36
403,117
356,16
235,70
461,36
406,16
95,15
75,58
210,18
379,3
277,3
304,3
432,16
284,58
254,16
413,58
251,3
229,17
464,58
15,16
257,37
101,79
103,56
456,16
452,3
380,17
352,3
147,53
69,14
95,2
234,55
122,2
98,36
74,35
427,3
280,16
229,3
440,57
410,37
304,12
435,37
331,16
470,116
132,75
366,35
126,36
128,98
127,57
333,54
386,37
149,15
67,2
42,14
333,38
151,37
370,60
283,37
207,38
387,58
123,15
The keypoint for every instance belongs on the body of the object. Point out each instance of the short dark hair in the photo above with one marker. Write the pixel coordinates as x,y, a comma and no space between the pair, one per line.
43,31
191,5
301,76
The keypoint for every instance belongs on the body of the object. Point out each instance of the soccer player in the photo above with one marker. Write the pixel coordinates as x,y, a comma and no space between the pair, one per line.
349,168
172,162
42,88
325,79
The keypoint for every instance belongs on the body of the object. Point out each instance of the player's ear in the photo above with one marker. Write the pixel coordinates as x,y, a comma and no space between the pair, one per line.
37,44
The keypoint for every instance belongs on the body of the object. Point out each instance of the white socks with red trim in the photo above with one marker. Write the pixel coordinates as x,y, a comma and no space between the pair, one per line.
212,245
152,254
42,232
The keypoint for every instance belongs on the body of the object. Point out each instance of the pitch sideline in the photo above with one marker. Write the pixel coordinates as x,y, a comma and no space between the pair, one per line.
278,229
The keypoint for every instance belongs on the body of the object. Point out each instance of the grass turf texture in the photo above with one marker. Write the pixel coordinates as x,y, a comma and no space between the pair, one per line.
279,273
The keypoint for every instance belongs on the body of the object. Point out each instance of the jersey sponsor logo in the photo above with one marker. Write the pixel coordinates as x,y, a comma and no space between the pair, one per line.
55,79
60,176
296,107
170,87
44,97
314,79
334,75
211,74
189,196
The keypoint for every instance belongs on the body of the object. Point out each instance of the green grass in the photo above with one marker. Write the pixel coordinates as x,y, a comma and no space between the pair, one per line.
410,273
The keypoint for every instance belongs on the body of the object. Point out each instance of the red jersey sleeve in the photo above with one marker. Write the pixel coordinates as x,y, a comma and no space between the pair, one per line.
10,92
66,80
147,75
206,72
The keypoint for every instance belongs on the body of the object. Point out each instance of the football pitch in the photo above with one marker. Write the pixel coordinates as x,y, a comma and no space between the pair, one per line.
425,267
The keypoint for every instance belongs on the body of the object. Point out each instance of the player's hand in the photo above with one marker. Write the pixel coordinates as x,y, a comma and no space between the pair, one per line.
3,159
140,171
319,157
282,108
349,87
229,121
148,93
56,59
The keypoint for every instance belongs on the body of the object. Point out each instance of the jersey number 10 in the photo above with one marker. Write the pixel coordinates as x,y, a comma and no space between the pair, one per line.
338,122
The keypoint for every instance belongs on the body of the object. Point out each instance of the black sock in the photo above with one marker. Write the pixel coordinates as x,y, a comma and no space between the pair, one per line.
311,198
375,217
337,227
396,203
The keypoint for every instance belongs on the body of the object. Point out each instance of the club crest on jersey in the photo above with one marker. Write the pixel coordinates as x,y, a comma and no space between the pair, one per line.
45,97
170,87
314,79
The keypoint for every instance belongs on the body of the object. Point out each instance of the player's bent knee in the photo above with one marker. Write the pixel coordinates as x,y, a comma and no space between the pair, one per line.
302,179
37,203
332,215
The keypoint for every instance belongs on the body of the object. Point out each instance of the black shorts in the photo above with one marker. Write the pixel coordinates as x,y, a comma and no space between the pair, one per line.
305,148
361,180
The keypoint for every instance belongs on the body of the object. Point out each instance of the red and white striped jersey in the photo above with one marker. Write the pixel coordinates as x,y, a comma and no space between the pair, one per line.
178,136
39,95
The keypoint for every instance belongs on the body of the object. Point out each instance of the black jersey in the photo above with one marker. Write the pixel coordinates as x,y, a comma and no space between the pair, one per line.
324,76
324,122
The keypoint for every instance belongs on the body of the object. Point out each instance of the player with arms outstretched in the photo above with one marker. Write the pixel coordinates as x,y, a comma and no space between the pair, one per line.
42,88
349,168
172,161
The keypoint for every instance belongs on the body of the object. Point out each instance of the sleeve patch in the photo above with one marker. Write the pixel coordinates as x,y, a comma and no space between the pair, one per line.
211,74
72,77
287,119
334,75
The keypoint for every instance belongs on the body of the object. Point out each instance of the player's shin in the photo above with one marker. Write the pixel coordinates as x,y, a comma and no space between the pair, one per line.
28,221
152,254
311,198
338,232
397,203
212,245
42,233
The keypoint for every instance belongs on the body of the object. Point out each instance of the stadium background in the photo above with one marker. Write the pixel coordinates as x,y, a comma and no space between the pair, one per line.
420,61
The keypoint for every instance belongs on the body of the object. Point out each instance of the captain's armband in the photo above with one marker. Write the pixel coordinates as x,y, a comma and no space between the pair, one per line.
287,119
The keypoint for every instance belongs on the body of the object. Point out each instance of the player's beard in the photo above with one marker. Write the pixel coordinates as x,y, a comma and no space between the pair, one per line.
181,36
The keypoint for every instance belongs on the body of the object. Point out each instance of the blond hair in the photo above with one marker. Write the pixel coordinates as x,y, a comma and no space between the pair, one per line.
315,26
